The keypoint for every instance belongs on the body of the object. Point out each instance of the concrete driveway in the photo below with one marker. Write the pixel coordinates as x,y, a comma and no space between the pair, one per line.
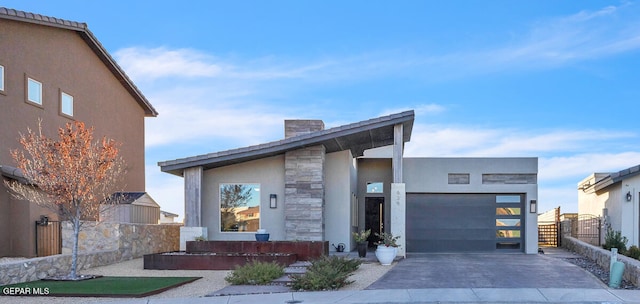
492,270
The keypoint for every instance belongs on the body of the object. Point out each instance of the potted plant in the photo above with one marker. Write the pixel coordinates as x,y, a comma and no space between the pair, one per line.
361,241
387,248
262,235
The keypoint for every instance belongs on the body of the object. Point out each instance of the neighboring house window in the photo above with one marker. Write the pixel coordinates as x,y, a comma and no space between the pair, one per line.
1,78
374,187
34,91
239,207
66,104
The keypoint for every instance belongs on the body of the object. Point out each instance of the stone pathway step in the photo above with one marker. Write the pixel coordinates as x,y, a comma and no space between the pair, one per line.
297,268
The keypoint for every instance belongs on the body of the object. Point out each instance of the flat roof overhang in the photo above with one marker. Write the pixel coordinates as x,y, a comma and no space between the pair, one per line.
356,137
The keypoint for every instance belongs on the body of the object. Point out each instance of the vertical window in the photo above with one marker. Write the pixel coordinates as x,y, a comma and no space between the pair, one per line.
239,207
34,91
66,104
1,78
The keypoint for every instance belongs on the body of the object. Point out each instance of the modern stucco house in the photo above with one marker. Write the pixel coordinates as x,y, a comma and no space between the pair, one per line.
57,71
615,197
323,184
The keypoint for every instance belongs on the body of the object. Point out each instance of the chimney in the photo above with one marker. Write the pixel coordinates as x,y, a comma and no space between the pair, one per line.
295,127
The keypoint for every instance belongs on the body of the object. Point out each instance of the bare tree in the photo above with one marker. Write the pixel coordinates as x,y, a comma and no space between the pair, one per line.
70,175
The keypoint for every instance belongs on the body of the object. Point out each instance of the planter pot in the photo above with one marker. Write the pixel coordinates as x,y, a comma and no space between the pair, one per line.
386,254
262,237
362,249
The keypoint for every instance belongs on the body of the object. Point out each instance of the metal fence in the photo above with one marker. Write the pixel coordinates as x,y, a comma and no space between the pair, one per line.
48,237
548,234
587,228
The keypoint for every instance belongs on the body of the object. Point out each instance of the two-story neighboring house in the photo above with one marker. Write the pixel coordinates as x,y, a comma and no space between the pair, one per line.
56,71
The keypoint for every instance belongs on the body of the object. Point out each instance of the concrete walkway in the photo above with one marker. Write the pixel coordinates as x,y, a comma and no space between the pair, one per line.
487,270
433,295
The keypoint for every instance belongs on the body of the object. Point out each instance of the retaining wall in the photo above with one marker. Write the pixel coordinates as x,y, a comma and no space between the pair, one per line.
99,245
602,257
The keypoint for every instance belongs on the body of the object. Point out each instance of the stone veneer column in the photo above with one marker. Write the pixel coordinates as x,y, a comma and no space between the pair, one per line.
304,185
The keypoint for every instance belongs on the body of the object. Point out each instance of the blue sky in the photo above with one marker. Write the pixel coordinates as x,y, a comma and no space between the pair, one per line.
558,80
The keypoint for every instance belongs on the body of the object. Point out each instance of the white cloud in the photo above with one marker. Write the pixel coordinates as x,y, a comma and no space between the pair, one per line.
584,35
581,165
186,122
444,140
149,64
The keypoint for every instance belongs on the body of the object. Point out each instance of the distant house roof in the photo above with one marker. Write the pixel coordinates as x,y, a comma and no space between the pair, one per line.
94,44
13,173
250,210
132,198
357,137
616,177
168,214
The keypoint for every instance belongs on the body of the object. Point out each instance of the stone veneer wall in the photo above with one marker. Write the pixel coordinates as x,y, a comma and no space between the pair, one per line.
602,257
100,245
304,194
304,185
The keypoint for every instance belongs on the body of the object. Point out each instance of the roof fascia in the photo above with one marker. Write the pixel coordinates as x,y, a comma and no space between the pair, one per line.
292,143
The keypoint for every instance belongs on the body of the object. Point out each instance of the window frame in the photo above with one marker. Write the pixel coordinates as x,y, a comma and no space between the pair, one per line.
2,79
258,204
28,80
62,112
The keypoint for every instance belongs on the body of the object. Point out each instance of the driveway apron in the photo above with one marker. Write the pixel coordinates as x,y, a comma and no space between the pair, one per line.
485,271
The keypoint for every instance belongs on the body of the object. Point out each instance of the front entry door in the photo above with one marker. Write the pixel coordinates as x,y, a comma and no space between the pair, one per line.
374,217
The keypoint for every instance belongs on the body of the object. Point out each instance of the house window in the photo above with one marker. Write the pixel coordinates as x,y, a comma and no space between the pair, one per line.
239,207
66,104
34,91
374,187
1,78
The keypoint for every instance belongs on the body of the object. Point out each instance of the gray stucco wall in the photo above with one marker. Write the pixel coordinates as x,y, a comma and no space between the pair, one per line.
269,173
374,170
339,187
430,175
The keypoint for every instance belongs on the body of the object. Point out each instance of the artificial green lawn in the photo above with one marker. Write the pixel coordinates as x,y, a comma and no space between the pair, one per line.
108,286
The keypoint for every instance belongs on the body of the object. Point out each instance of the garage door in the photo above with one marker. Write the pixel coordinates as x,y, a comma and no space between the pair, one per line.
464,222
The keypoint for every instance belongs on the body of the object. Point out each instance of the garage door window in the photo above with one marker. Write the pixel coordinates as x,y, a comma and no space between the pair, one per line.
507,211
508,222
506,199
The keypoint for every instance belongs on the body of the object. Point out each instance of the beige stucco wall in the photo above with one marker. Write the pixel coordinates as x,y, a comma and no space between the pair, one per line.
269,173
622,215
60,60
590,203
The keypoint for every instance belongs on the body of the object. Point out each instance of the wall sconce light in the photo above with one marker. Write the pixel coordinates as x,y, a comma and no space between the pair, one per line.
273,201
629,196
533,206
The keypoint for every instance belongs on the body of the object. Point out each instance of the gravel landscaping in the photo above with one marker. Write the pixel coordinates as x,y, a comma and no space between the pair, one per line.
599,272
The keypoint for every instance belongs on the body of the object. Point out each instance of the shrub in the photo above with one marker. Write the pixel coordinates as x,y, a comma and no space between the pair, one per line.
327,273
634,252
255,273
614,239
